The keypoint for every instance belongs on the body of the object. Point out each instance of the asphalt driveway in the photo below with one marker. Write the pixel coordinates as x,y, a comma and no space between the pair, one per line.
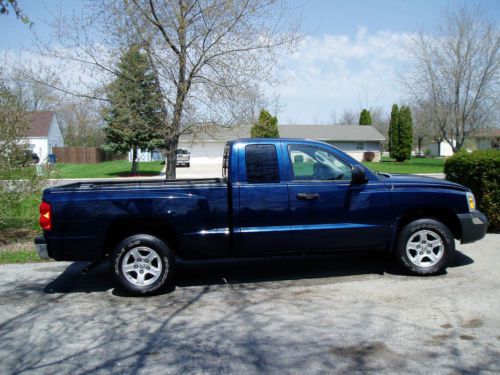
342,314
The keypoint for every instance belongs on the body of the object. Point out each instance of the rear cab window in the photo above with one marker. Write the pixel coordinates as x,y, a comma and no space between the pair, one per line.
261,164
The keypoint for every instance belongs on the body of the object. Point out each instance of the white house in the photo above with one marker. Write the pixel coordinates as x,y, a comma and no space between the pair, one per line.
43,133
207,146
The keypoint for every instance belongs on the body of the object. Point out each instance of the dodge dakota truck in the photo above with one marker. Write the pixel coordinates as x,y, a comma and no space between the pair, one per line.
276,197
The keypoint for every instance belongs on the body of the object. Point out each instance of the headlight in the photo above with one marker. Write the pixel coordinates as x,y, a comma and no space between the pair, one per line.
471,201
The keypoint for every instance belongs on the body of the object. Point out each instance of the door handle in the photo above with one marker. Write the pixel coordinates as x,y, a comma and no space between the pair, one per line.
307,196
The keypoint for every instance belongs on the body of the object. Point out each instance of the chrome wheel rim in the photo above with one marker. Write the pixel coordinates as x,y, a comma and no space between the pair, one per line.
425,248
141,266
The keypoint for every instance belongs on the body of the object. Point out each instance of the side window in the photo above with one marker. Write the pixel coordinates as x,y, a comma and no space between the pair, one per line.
261,164
310,163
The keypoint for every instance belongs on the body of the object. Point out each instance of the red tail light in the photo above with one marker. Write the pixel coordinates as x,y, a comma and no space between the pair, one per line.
45,216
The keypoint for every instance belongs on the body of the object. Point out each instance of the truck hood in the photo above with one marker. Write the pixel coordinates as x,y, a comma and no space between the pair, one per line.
414,180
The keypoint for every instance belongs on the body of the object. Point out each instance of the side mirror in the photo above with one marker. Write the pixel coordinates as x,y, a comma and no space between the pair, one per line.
358,175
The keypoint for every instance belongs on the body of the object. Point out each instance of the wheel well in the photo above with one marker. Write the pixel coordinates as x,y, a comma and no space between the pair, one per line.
445,216
123,228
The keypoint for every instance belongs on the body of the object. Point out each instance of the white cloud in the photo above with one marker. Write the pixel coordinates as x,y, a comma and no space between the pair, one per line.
331,72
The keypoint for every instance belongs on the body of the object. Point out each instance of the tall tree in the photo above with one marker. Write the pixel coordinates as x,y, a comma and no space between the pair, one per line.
204,53
266,126
82,122
348,117
134,117
393,134
365,117
456,70
405,134
424,127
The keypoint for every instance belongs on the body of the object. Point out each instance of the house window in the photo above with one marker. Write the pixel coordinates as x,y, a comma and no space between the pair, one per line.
360,146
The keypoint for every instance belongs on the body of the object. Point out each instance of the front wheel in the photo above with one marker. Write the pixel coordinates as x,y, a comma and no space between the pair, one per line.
142,265
425,247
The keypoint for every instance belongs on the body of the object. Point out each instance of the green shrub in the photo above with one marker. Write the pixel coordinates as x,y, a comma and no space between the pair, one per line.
479,171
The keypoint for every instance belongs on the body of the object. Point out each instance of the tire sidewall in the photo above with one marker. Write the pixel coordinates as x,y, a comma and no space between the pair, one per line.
425,224
166,257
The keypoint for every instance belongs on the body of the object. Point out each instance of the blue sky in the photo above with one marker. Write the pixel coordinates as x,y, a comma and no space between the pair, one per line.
350,58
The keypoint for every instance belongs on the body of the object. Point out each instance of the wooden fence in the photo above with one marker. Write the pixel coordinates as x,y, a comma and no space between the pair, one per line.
83,155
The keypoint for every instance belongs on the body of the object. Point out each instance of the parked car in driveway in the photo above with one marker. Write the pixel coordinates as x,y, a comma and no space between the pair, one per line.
183,157
27,157
276,197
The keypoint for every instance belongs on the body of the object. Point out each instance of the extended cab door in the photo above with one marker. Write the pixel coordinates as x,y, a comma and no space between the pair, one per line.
327,211
262,214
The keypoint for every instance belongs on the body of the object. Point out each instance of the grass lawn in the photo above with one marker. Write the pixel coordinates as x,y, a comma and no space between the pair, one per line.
117,168
11,255
16,245
18,228
414,165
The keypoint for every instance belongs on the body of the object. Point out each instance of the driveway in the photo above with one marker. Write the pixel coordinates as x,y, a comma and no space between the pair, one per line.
338,314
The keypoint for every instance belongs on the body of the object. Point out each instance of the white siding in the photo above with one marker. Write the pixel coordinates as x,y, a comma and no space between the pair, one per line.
40,146
440,150
208,152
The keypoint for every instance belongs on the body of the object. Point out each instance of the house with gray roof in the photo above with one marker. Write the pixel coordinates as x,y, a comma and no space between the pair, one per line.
352,139
206,146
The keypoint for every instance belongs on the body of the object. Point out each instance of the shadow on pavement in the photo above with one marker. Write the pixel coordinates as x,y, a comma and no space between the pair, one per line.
240,271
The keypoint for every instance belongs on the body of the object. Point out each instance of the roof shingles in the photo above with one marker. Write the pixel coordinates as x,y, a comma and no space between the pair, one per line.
319,132
332,132
39,123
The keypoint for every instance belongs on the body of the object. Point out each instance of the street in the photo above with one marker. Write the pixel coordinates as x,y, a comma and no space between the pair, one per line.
324,314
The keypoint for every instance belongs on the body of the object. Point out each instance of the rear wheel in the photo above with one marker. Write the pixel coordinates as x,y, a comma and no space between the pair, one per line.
425,247
142,265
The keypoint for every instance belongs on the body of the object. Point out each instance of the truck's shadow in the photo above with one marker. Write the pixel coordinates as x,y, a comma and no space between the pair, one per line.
242,271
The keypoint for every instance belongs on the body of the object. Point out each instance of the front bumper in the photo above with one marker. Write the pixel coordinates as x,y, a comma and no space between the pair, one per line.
474,225
41,247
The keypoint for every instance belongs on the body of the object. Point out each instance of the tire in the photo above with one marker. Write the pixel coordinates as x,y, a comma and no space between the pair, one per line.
142,265
425,247
188,165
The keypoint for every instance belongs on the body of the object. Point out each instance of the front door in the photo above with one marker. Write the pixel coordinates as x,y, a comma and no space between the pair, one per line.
261,195
327,211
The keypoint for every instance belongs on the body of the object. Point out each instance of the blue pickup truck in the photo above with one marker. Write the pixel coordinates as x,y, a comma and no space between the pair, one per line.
276,197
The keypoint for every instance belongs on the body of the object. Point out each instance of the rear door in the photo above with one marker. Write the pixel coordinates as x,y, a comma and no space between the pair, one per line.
262,220
327,211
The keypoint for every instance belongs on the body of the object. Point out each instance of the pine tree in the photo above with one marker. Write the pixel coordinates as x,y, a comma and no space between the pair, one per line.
400,133
365,117
134,117
394,131
405,133
266,126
